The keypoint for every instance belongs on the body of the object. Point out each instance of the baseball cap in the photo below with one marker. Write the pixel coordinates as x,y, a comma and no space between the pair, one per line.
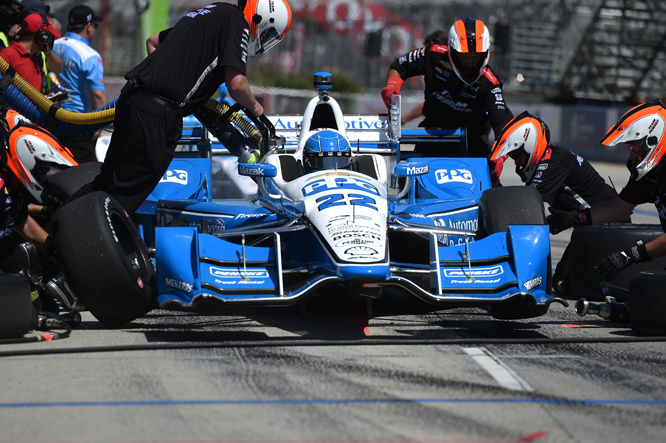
36,6
34,22
82,15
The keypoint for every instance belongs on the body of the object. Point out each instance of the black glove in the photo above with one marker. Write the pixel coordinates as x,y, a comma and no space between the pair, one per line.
618,261
562,220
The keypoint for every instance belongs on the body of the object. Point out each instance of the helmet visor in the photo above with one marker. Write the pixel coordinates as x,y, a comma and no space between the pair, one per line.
322,162
268,38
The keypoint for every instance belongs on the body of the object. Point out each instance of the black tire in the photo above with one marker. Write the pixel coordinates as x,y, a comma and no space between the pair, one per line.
105,260
591,244
65,183
17,317
510,205
647,303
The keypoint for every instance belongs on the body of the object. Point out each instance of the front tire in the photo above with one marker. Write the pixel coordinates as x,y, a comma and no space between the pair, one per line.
647,303
105,259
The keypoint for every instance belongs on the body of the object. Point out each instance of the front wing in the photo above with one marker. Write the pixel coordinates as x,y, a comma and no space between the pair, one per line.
192,267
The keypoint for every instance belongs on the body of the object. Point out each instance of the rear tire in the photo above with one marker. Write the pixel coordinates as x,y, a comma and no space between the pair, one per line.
647,303
17,317
105,260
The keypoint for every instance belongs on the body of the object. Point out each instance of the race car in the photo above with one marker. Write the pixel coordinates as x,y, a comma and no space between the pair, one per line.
335,205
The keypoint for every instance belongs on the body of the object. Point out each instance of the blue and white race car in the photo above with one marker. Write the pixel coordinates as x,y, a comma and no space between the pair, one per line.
332,207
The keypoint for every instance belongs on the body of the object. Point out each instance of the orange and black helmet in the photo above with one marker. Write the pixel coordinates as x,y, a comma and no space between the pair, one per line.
527,134
644,125
469,36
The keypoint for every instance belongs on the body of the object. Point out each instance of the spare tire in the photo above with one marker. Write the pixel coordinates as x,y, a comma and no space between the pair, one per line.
17,317
65,183
105,260
647,303
591,244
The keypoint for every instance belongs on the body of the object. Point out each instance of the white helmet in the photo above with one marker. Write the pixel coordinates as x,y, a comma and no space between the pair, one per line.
469,36
269,21
644,124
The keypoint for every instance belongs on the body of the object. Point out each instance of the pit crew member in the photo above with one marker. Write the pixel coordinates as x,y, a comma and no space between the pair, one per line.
461,89
565,180
184,68
642,130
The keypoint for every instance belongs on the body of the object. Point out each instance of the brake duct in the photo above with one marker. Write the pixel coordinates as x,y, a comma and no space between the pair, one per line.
32,104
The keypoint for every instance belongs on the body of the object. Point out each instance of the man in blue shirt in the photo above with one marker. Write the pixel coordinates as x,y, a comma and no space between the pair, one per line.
82,76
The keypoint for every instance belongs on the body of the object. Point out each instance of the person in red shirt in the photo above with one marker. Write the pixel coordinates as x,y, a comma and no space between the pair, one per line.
37,35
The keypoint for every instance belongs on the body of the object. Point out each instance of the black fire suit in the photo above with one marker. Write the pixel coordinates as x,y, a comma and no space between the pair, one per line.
450,103
13,211
649,189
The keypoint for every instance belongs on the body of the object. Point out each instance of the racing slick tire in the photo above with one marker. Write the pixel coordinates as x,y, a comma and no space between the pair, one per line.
510,205
647,303
499,208
591,244
105,260
17,317
65,183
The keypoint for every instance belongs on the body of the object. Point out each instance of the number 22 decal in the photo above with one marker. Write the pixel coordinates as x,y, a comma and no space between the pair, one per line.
331,200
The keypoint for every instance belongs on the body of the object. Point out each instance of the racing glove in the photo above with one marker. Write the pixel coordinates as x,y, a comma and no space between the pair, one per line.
393,85
496,168
559,221
618,261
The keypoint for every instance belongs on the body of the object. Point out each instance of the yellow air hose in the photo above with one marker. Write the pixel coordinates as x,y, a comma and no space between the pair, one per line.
108,115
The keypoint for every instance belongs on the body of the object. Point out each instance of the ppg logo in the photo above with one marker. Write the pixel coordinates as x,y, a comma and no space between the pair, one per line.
175,176
453,175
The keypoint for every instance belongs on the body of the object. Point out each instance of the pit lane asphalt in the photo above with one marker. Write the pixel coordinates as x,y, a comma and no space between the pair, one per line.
459,375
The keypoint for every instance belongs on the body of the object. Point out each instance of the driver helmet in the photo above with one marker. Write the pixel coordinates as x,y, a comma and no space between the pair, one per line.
269,21
525,134
469,36
327,149
644,125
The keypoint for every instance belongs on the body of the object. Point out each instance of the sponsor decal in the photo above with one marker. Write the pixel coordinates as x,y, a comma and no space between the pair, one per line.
336,183
361,251
476,281
365,123
239,282
175,176
445,98
139,282
453,175
108,218
245,216
417,170
243,170
538,174
533,283
178,284
203,11
475,272
542,167
580,160
232,272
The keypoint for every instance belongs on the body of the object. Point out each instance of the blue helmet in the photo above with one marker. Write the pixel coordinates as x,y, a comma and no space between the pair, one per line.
326,150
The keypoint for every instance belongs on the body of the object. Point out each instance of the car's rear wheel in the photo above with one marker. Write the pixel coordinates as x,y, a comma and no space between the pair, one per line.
105,259
513,205
647,303
16,314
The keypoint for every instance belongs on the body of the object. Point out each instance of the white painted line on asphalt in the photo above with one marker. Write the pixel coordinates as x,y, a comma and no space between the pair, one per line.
502,373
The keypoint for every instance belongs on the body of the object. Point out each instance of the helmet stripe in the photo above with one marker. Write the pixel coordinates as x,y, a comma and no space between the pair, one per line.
462,36
479,35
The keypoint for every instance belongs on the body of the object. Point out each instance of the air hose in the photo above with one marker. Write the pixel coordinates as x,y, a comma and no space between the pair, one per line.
32,104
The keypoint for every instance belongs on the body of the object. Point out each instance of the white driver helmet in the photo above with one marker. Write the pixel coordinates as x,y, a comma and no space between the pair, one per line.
469,36
269,21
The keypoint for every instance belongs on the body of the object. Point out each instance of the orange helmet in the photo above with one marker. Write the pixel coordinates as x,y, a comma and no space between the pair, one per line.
269,21
643,124
469,36
31,153
525,133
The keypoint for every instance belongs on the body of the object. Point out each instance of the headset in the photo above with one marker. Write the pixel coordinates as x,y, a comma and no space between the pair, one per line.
43,37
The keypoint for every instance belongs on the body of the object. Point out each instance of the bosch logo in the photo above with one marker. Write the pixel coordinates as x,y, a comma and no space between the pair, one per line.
453,175
220,272
477,272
